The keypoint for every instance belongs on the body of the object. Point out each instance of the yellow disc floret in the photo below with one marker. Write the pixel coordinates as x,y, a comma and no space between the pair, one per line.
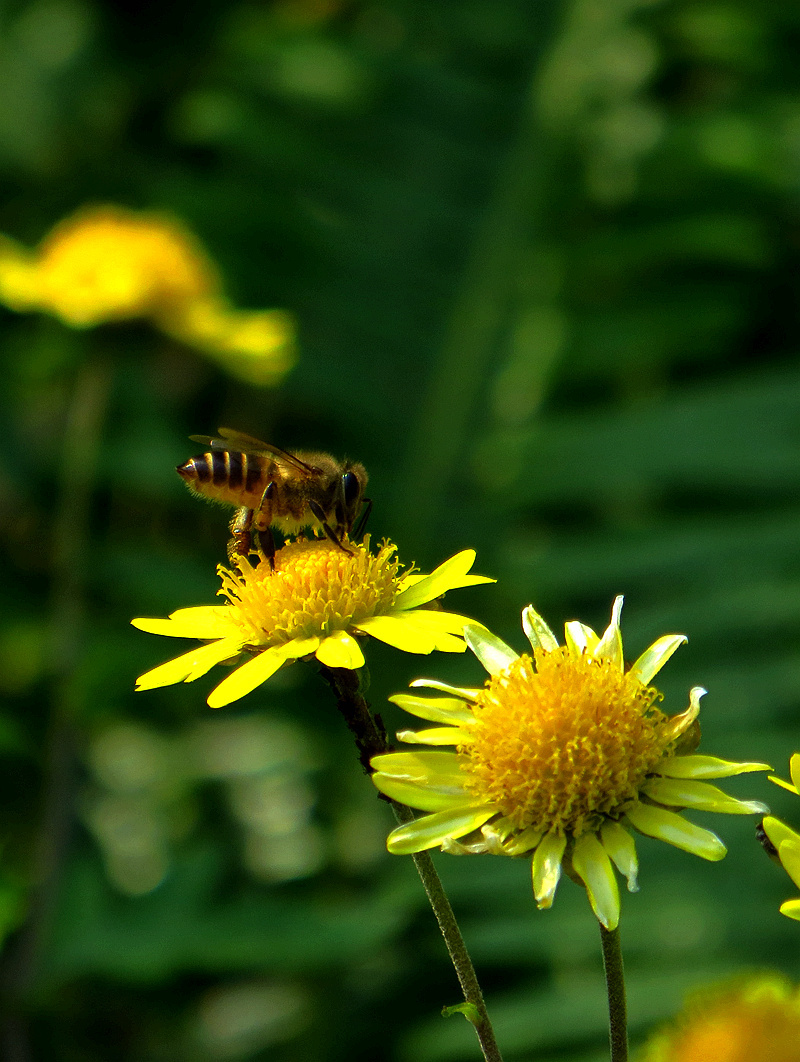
315,589
561,741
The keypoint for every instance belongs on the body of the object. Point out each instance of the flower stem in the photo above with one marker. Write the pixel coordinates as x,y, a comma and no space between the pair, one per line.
615,984
370,736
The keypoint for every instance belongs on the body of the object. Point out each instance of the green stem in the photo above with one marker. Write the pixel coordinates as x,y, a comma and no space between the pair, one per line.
370,736
615,984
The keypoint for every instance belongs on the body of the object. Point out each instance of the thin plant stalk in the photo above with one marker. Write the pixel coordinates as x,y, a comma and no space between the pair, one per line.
615,985
370,737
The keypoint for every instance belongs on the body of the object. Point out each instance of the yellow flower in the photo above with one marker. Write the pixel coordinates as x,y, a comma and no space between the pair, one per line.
752,1019
786,840
560,754
107,263
315,601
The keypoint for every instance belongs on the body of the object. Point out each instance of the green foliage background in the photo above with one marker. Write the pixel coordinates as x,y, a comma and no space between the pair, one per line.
544,262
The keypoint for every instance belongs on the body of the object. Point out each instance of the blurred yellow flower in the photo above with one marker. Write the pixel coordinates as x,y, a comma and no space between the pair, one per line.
108,263
752,1019
559,755
786,840
313,603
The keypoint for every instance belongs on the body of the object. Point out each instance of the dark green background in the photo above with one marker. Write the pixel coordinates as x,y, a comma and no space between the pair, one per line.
544,263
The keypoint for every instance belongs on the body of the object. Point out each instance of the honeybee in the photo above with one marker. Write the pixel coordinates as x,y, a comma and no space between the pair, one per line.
275,489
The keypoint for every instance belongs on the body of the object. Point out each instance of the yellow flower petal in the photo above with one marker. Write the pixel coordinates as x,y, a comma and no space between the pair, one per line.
247,677
695,766
592,865
791,909
435,709
404,634
653,659
448,576
190,666
687,793
794,770
537,632
546,868
431,830
423,797
422,768
492,651
440,735
778,831
340,649
202,621
675,830
457,691
621,846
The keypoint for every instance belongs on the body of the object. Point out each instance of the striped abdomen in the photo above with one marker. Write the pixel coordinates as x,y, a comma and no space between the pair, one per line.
228,476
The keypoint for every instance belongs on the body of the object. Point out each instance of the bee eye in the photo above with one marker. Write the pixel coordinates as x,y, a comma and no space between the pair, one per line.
351,488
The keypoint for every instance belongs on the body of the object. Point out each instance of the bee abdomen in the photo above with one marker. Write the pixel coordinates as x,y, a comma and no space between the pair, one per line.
224,475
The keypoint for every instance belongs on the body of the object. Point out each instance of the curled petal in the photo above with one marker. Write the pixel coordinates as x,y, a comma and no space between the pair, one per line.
579,638
679,724
694,766
653,659
592,865
520,843
546,869
621,846
687,793
492,651
537,632
674,829
431,830
610,645
339,649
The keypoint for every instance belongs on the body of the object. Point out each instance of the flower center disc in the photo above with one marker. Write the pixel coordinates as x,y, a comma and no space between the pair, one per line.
316,588
561,741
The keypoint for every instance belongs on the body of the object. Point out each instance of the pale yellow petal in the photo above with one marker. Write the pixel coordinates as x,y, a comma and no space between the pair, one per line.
546,868
789,855
247,677
202,621
778,831
579,638
592,865
695,766
610,645
537,632
424,797
439,735
189,666
791,909
490,650
688,793
794,770
457,691
520,843
435,709
621,847
431,830
675,830
653,659
784,785
422,768
340,649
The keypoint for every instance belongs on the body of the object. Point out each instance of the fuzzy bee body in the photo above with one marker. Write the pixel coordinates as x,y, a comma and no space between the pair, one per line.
275,489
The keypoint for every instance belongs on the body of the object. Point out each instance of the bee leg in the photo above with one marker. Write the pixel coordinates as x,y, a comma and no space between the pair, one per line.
319,513
267,542
362,523
263,521
240,527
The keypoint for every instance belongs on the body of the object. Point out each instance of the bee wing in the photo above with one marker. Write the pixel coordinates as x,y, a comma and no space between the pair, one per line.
230,439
